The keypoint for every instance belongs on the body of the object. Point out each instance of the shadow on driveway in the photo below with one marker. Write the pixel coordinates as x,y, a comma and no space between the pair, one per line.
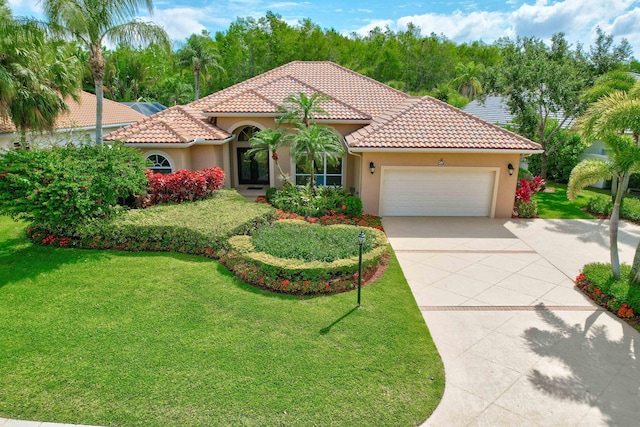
599,371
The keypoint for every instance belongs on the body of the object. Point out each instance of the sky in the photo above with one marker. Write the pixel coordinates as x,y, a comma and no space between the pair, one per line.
460,21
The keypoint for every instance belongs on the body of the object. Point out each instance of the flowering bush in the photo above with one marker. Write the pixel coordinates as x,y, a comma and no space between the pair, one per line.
334,218
183,185
600,297
526,207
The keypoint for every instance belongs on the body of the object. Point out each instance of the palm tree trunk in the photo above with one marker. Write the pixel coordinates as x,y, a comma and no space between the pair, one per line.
196,76
613,228
634,277
99,97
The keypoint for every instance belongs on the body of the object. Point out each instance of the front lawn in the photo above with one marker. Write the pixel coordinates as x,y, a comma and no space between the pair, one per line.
138,339
555,205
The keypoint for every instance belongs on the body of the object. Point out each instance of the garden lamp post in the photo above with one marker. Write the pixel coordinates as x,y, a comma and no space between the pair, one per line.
361,239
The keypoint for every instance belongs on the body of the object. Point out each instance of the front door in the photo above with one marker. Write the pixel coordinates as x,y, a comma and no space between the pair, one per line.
252,171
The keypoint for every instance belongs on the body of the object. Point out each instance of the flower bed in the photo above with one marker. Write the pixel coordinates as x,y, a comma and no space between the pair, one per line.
600,286
298,276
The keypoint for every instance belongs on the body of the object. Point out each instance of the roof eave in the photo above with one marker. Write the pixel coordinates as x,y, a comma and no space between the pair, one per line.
444,150
197,141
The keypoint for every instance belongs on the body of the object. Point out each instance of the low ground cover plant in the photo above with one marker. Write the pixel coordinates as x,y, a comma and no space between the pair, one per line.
200,228
333,218
616,295
298,269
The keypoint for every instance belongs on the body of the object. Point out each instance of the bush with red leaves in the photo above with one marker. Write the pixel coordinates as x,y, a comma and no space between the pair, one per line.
183,185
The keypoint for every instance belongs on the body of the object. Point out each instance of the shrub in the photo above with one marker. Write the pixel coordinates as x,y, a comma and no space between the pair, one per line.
316,202
601,286
564,150
183,185
62,186
527,207
333,218
298,276
271,192
600,205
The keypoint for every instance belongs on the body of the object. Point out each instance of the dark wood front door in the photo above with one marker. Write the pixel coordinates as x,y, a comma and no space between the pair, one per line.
252,171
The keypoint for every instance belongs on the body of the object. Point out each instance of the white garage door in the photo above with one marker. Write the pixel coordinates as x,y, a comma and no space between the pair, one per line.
442,191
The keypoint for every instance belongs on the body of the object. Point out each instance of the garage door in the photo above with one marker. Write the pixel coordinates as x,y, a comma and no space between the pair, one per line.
428,191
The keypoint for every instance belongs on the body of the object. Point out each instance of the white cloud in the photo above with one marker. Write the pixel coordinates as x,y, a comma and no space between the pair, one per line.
381,23
286,5
25,5
459,26
364,10
181,22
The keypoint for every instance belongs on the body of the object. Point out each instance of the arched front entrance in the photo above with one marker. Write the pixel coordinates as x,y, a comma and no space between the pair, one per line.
252,170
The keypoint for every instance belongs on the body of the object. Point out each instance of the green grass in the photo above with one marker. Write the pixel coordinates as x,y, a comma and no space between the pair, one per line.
150,339
556,205
308,242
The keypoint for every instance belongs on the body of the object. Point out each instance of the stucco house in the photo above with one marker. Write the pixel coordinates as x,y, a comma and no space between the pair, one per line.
404,155
79,122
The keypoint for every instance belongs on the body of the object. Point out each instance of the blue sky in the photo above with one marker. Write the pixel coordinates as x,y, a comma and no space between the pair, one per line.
461,21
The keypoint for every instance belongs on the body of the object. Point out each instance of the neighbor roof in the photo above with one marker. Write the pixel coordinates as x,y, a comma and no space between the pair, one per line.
82,114
352,96
176,125
146,108
427,123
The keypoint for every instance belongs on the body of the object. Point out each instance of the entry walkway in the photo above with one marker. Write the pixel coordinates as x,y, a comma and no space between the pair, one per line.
520,345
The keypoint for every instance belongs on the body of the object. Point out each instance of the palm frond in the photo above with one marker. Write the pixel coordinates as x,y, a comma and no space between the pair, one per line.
586,173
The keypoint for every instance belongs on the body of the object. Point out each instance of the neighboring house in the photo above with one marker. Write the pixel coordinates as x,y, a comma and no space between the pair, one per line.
146,108
79,122
404,155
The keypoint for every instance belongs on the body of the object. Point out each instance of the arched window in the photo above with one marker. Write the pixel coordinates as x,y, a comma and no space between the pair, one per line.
159,163
247,132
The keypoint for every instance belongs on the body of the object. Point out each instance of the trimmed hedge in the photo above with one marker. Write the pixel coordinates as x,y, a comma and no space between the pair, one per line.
298,276
602,205
199,228
616,295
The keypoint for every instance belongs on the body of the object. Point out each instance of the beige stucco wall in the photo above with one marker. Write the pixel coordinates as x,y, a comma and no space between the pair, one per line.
370,184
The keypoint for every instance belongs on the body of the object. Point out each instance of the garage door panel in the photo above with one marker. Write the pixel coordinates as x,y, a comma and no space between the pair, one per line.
427,192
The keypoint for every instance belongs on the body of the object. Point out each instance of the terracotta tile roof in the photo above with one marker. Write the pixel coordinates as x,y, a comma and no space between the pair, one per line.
267,97
82,114
353,95
175,125
427,123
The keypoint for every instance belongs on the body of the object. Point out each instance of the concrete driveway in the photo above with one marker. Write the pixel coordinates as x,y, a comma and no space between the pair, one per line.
520,345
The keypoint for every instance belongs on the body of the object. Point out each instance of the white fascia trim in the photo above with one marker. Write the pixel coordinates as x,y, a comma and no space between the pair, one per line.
197,141
442,150
241,114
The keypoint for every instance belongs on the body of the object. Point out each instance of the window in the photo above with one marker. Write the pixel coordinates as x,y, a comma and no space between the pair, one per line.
326,175
247,132
159,164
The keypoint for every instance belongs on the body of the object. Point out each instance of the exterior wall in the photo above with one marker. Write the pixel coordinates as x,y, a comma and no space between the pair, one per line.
370,184
180,158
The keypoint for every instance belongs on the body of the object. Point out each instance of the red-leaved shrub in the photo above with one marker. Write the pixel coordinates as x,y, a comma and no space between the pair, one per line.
183,185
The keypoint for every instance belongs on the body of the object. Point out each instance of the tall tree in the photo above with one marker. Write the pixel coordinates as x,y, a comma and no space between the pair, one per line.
467,81
201,55
541,82
91,23
615,120
605,56
35,75
302,109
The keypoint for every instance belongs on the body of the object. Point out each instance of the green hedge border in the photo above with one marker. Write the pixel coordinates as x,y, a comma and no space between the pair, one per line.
299,277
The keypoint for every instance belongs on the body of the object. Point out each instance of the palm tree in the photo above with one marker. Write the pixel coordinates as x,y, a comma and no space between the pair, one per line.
314,143
624,160
467,81
300,108
91,23
35,76
269,140
201,54
613,119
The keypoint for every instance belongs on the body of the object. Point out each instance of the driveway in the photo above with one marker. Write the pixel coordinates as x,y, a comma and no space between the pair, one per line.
520,345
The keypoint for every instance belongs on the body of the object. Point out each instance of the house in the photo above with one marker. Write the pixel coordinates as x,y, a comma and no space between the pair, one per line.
79,122
404,155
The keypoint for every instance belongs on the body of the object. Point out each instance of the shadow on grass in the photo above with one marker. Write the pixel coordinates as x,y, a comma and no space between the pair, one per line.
601,372
327,329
